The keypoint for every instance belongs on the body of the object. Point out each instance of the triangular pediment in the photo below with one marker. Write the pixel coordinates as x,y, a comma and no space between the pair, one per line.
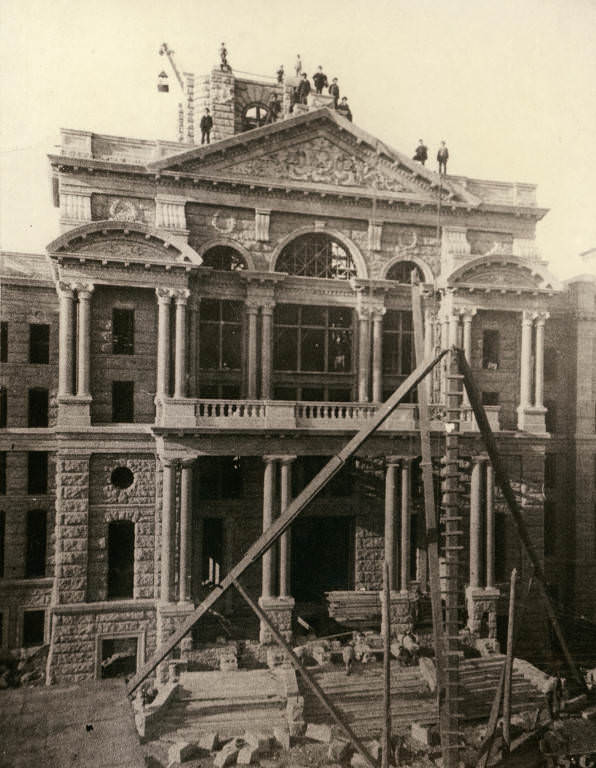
320,150
500,274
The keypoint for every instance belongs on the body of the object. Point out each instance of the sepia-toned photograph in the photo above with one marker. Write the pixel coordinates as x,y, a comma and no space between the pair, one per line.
297,383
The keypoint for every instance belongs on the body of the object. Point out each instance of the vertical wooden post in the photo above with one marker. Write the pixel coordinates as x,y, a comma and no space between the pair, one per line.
509,664
386,666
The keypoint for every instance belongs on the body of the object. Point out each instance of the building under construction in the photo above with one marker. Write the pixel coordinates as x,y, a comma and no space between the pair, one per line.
213,324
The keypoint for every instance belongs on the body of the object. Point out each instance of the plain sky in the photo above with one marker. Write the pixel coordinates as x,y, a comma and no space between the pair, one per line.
509,84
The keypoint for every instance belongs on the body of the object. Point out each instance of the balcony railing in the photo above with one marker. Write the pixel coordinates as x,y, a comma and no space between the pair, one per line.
247,415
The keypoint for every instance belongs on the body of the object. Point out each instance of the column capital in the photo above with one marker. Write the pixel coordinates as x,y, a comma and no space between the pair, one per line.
164,295
267,307
286,460
378,312
65,290
467,313
364,313
168,462
528,317
270,459
252,306
392,461
84,290
479,458
188,463
406,461
181,295
541,318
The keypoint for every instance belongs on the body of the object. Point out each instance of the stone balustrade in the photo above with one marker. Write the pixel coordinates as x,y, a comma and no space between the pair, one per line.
277,414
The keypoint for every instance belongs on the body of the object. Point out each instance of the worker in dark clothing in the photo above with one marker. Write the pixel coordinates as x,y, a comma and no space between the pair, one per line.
334,91
320,80
442,157
280,74
344,108
206,126
303,88
274,108
421,153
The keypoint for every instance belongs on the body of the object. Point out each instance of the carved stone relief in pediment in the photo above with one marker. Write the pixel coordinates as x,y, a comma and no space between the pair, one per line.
319,161
500,275
128,247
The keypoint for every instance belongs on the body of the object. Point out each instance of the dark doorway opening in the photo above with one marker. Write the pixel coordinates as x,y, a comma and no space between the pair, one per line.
322,557
213,547
121,547
118,657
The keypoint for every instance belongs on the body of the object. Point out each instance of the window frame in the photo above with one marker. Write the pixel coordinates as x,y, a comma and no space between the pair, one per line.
123,343
491,362
32,418
39,348
117,400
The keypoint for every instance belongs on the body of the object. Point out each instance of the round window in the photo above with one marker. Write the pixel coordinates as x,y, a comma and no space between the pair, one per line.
122,477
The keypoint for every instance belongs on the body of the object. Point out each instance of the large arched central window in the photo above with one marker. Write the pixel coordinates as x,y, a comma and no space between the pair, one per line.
254,116
316,255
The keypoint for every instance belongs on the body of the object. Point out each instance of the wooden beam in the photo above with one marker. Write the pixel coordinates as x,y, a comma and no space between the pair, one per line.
283,522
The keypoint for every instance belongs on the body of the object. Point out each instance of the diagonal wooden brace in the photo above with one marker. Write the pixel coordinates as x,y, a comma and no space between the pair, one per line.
310,681
283,522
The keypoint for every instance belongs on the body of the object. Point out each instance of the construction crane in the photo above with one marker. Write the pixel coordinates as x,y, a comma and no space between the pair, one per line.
163,87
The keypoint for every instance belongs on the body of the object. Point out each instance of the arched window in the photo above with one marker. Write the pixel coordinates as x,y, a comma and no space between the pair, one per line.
224,258
254,116
316,255
121,550
402,270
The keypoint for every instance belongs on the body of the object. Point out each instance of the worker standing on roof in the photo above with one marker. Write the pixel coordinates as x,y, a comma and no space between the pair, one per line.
334,91
442,157
280,74
421,153
344,108
303,88
320,80
274,108
298,65
223,55
206,125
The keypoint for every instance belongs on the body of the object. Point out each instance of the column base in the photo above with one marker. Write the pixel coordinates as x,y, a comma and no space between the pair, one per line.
280,611
531,418
74,410
403,611
481,604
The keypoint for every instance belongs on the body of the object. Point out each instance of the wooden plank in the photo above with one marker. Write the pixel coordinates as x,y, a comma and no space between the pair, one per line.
509,664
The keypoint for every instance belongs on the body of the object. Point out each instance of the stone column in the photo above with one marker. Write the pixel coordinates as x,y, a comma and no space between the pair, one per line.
475,521
267,558
363,355
168,529
428,350
467,315
490,526
541,318
180,351
526,353
84,293
377,373
184,577
193,358
164,297
285,541
65,351
406,465
251,363
390,473
266,349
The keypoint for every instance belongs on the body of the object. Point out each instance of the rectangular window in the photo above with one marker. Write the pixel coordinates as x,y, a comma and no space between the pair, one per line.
313,339
213,549
490,398
3,407
123,401
220,335
3,342
491,342
33,628
2,541
221,477
39,343
35,555
121,558
38,407
123,331
37,473
2,473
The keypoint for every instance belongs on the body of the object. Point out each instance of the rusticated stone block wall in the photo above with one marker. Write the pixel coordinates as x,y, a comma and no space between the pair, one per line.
77,638
108,503
72,514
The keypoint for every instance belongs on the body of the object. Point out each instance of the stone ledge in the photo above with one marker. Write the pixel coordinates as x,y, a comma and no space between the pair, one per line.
115,606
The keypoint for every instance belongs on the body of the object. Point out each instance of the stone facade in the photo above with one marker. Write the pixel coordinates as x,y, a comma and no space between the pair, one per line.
296,238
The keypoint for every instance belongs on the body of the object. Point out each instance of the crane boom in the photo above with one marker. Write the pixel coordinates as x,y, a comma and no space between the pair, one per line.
164,49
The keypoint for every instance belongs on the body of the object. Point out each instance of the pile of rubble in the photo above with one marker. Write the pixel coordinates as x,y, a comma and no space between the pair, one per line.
23,666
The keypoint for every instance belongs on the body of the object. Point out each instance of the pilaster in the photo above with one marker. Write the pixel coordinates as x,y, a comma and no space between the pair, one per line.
170,214
375,234
262,218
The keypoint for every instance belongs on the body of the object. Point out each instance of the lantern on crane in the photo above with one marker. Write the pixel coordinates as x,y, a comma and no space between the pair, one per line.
162,82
